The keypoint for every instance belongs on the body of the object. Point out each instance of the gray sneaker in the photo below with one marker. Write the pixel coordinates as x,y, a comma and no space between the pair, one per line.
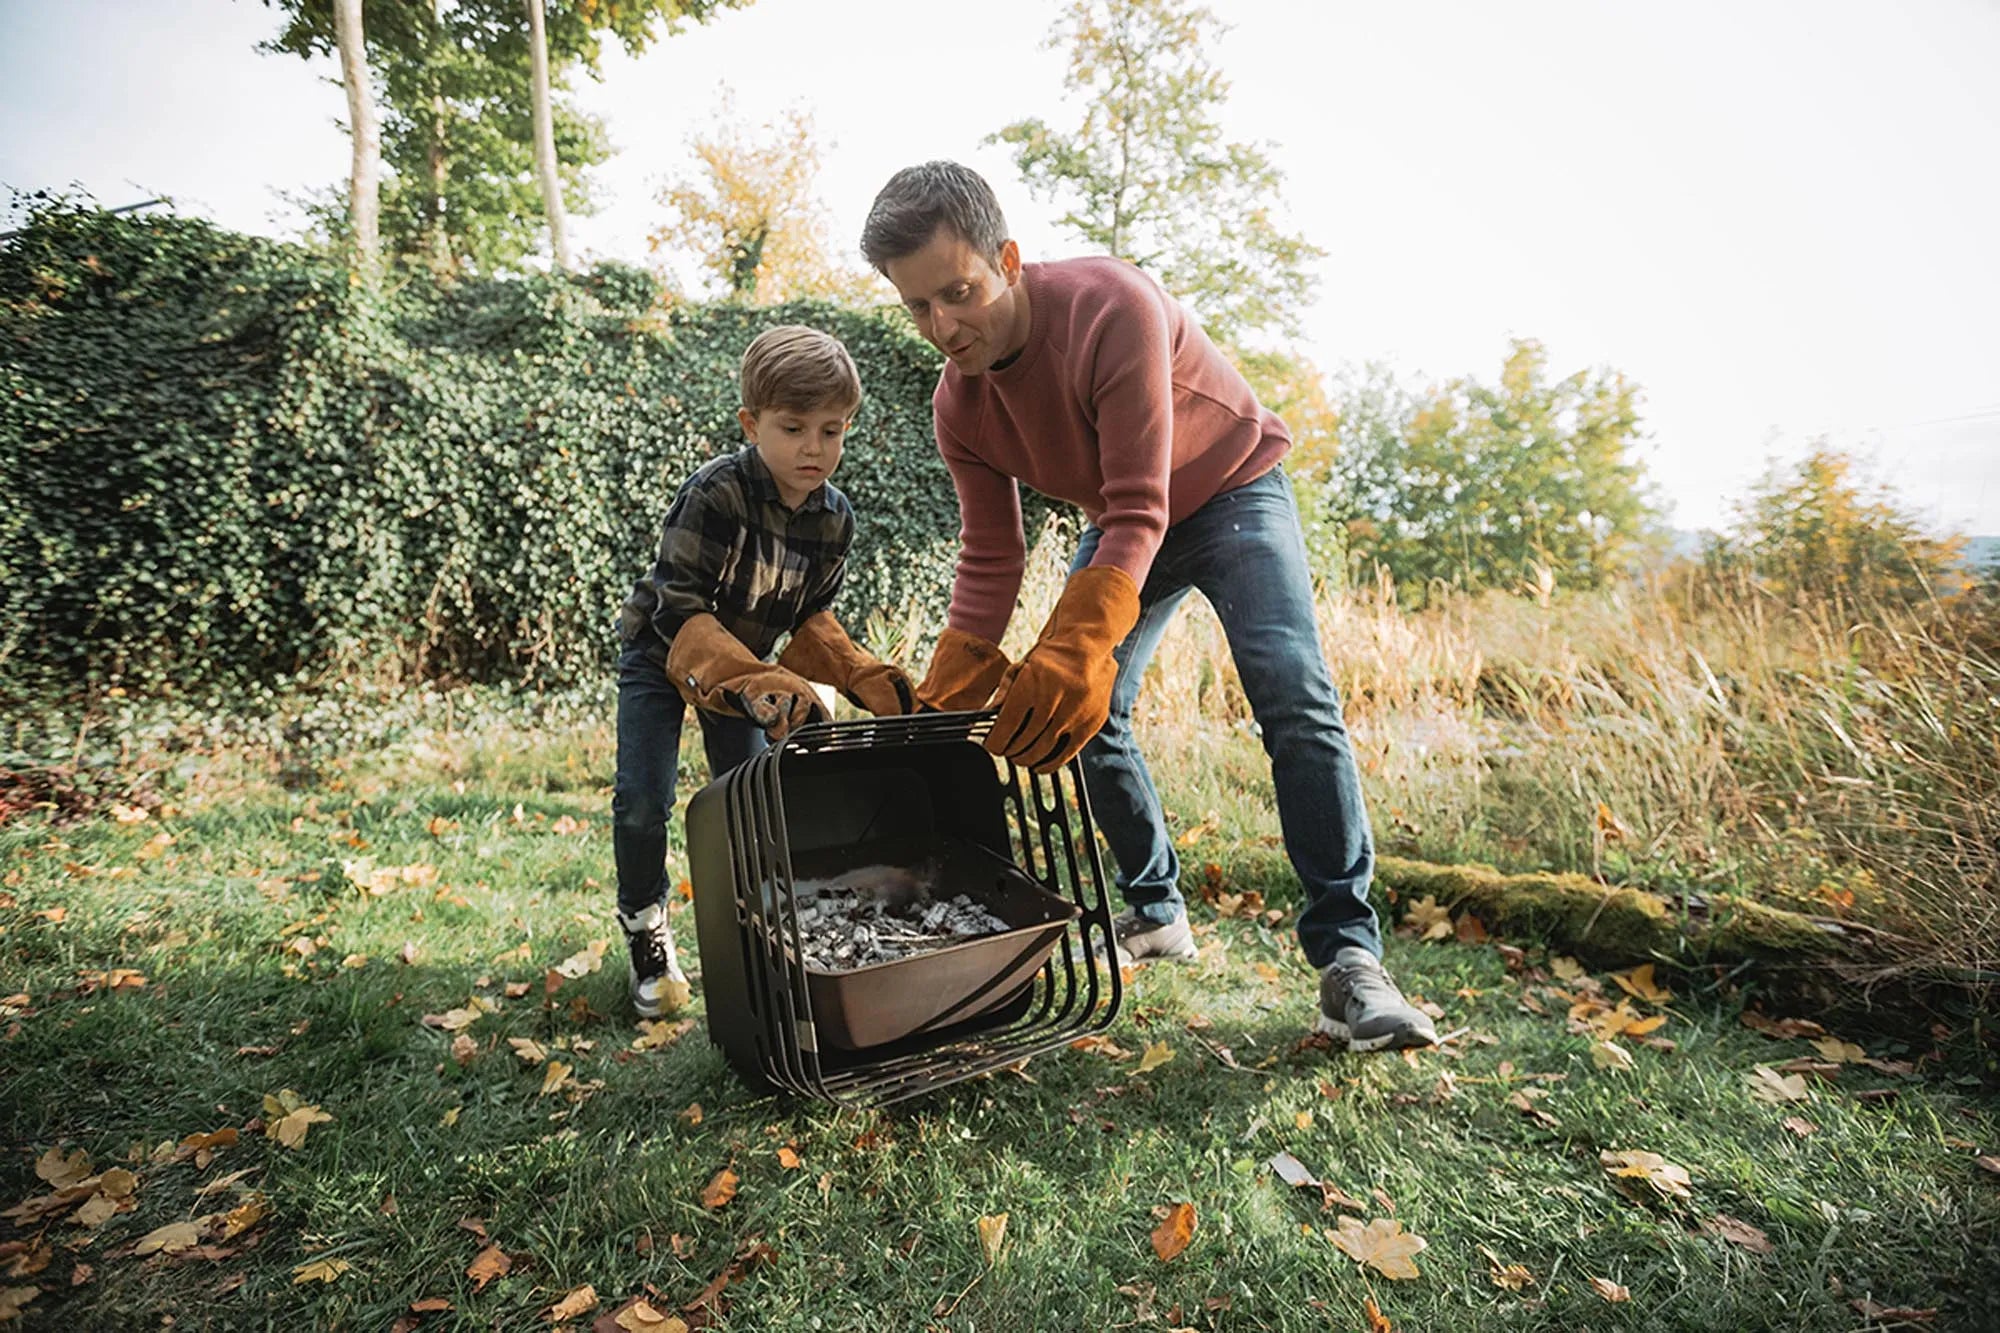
1360,1005
1139,938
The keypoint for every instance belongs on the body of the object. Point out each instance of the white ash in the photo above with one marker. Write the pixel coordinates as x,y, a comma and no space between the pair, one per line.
880,913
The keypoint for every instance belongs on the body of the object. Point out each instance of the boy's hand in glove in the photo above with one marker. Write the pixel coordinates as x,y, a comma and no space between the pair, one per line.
820,650
714,671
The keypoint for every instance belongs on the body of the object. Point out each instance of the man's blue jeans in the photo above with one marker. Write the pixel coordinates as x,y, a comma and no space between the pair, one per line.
651,713
1244,550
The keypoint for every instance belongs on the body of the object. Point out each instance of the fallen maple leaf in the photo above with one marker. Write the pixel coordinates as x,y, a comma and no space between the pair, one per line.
12,1299
788,1157
1610,1290
1382,1245
581,1301
1565,967
243,1216
62,1170
290,1118
1429,920
1101,1045
320,1270
488,1264
1157,1053
1768,1085
1650,1167
721,1188
1176,1229
1639,984
1737,1232
528,1049
992,1235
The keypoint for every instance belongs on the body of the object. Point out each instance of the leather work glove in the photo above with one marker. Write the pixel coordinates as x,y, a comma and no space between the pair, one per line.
1056,697
714,671
820,650
964,670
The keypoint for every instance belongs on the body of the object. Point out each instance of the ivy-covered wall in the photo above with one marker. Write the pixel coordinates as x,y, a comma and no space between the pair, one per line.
221,461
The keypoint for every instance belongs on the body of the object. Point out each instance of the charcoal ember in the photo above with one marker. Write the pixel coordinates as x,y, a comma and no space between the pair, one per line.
878,914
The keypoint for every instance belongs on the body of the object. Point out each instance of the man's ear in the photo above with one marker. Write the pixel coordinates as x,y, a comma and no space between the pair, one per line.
1010,261
748,420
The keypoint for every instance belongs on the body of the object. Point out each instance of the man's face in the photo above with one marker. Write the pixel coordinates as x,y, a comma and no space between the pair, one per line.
974,313
802,448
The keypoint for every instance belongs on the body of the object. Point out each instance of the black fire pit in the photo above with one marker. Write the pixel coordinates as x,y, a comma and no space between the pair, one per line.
900,792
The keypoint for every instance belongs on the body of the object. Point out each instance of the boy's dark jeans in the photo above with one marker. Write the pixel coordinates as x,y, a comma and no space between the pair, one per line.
650,715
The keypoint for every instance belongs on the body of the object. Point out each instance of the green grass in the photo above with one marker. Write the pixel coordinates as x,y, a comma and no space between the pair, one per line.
877,1228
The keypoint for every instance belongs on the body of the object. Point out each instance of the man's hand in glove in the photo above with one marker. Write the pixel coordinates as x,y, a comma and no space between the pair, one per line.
964,670
714,671
1054,699
820,650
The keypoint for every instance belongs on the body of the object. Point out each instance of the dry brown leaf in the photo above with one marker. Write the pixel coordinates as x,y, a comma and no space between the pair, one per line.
1985,1163
1508,1277
658,1035
788,1157
581,1301
692,1115
1737,1232
1565,968
488,1264
529,1050
169,1239
243,1216
1610,1055
1174,1232
430,1305
1428,920
555,1076
463,1048
1101,1045
584,961
1382,1245
319,1270
1639,984
1377,1321
992,1235
28,1258
1609,1290
1157,1053
1799,1126
1781,1028
1768,1085
640,1317
62,1170
95,1212
1650,1167
1839,1052
1891,1314
288,1118
721,1188
13,1299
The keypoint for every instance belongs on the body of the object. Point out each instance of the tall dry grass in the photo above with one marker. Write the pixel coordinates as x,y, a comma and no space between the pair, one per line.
1690,734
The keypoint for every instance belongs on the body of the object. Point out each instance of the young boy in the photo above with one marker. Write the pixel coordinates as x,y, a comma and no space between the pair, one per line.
755,546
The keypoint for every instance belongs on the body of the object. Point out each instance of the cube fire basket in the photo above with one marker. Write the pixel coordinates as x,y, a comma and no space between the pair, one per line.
838,796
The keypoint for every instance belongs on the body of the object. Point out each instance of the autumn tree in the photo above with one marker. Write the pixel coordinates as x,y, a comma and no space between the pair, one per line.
364,178
1147,174
1820,528
1477,485
454,82
747,213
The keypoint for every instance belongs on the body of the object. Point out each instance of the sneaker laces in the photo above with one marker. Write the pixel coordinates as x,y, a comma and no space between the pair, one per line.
648,935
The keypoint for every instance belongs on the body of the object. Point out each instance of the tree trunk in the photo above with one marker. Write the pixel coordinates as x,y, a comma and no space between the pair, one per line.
545,136
364,187
437,232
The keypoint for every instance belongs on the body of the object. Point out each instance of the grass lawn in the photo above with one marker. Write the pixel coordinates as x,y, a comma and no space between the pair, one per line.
162,977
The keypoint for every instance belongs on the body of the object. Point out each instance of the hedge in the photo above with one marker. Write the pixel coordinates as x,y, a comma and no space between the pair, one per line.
222,461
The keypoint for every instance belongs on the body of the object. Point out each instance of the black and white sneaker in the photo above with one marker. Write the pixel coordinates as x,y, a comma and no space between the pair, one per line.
655,972
1360,1006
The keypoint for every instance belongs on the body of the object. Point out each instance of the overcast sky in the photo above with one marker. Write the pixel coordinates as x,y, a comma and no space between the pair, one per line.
1778,218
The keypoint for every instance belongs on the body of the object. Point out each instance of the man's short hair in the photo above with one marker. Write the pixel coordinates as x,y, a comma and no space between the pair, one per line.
920,199
792,366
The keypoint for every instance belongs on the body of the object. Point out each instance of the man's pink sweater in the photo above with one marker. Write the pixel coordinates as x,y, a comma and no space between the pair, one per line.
1118,403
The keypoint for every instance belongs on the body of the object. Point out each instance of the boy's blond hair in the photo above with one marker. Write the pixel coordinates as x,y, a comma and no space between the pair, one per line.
800,368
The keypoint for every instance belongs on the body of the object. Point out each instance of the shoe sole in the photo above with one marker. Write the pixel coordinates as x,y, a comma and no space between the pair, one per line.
1327,1027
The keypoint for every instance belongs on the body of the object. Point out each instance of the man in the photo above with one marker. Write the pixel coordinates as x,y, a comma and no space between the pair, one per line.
1085,380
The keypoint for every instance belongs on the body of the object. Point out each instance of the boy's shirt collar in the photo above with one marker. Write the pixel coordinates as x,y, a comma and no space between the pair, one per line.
764,486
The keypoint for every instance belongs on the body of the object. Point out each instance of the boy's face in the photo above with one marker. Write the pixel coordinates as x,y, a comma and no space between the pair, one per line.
974,313
801,447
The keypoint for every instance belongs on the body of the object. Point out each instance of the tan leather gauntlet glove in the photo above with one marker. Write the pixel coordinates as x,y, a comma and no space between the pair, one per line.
964,670
820,650
1055,698
714,671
